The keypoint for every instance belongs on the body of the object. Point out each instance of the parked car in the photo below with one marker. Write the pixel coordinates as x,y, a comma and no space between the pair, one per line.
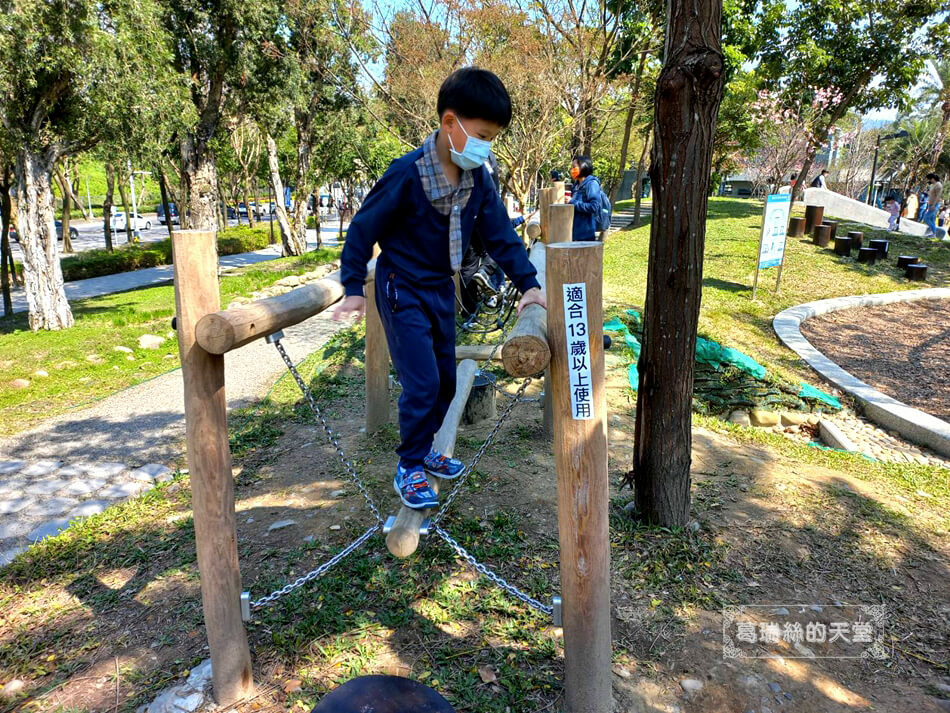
73,232
160,210
118,222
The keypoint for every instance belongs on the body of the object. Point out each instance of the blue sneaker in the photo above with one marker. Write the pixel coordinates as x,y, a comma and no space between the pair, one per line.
413,488
443,466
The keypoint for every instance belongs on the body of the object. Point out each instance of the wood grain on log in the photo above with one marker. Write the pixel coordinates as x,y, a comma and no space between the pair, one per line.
526,351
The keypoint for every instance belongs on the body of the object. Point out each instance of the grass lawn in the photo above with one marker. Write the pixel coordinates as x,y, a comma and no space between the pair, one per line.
81,363
728,314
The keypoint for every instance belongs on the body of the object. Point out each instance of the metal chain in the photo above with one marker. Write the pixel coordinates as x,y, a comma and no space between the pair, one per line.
481,451
511,397
319,571
496,579
331,437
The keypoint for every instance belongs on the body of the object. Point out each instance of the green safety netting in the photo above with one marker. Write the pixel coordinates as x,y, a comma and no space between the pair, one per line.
810,392
714,354
633,376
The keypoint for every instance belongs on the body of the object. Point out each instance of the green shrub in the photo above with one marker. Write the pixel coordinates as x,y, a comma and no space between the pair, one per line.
96,263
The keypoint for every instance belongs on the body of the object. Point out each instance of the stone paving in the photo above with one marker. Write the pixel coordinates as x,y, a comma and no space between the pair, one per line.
41,498
882,445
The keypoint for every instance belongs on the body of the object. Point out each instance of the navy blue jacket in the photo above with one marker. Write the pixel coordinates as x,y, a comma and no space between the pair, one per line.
414,237
586,201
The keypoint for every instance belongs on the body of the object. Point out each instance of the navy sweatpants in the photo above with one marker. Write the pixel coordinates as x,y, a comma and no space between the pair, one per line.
419,322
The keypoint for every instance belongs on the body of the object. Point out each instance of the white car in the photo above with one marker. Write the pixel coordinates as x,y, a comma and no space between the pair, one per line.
118,222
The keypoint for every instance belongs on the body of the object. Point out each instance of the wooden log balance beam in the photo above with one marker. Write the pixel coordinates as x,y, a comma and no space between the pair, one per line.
478,352
526,350
222,331
403,538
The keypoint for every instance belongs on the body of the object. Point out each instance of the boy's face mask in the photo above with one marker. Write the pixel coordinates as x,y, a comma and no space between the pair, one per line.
473,154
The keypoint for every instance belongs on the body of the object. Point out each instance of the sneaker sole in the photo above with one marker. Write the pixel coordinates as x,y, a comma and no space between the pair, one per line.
443,476
424,506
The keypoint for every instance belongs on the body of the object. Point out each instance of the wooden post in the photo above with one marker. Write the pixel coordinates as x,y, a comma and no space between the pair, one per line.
580,454
376,365
559,191
209,462
545,198
561,230
525,351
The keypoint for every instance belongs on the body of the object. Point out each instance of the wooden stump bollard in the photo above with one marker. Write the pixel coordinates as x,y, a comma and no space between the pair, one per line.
545,199
209,463
796,227
481,401
905,260
526,351
857,239
813,216
881,246
821,235
916,271
562,231
574,274
843,247
867,255
834,228
376,371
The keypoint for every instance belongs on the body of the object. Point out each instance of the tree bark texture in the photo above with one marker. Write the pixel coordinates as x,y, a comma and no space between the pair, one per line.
200,183
43,278
688,94
6,207
124,196
163,189
290,245
299,227
107,205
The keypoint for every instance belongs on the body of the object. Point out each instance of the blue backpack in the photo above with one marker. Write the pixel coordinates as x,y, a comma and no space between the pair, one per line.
603,218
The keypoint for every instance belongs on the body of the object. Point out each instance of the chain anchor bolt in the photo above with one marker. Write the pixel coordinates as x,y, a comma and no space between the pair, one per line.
245,606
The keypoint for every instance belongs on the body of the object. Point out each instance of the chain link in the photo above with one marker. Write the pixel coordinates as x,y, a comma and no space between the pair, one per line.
331,437
496,579
319,571
481,451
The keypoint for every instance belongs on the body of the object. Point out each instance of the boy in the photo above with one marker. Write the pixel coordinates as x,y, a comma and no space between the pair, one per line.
422,212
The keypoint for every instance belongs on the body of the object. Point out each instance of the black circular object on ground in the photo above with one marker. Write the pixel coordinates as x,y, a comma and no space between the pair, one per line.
813,216
881,246
843,247
905,260
916,271
383,694
867,255
833,224
857,239
796,227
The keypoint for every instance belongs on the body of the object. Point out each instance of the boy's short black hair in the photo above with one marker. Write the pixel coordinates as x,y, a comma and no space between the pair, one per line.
585,165
824,171
933,176
475,93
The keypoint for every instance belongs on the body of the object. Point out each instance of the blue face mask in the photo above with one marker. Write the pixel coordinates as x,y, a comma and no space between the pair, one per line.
473,155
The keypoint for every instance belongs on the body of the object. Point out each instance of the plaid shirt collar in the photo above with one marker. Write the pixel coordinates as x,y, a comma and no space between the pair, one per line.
447,199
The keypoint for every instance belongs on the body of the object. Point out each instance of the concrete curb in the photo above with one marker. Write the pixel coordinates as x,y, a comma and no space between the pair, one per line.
911,423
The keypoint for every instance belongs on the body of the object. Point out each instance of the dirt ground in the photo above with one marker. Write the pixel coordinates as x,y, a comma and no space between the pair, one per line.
770,532
902,349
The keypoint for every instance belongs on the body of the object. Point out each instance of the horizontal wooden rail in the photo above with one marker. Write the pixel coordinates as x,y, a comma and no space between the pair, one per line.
526,350
478,352
403,539
225,330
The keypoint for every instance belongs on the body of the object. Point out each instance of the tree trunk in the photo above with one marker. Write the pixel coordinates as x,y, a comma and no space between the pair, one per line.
163,189
941,137
302,119
67,210
639,184
289,242
124,196
247,206
43,278
688,93
6,207
628,126
199,176
316,214
107,206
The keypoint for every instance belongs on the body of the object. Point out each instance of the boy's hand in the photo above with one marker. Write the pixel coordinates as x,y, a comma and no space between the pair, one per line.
354,305
534,296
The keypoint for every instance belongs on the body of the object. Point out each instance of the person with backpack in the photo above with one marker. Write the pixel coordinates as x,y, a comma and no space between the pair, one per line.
591,206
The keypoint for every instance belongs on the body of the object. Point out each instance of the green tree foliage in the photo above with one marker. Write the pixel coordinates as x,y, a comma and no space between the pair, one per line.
73,74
